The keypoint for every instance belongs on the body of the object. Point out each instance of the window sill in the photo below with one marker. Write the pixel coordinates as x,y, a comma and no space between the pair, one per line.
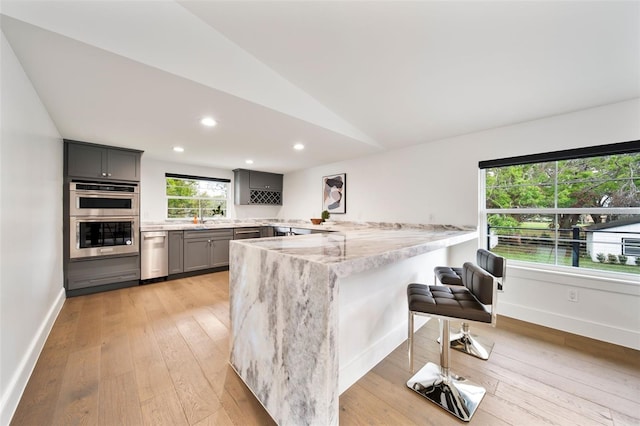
576,277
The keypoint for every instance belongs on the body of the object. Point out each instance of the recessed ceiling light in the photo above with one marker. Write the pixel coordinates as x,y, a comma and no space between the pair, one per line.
249,161
298,147
208,121
178,149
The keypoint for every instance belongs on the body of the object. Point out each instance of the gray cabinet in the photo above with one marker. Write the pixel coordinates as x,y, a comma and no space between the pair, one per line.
92,161
266,231
206,249
197,254
176,252
98,272
263,180
220,252
258,188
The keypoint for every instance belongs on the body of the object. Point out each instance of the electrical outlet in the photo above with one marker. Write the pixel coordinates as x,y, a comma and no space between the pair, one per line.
572,294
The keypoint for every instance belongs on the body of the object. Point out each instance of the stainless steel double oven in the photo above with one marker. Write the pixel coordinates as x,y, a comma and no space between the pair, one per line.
103,219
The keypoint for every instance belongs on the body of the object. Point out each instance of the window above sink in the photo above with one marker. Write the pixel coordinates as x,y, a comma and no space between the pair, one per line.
197,197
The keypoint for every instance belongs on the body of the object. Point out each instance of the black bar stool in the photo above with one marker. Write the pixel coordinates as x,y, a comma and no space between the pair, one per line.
469,302
463,340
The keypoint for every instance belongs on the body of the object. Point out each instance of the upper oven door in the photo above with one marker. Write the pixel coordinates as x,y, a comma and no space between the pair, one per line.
96,202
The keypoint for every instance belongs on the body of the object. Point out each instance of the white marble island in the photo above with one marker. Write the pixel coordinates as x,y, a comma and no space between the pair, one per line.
312,314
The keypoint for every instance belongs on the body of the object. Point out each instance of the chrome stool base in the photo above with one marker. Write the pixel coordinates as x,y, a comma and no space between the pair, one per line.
455,394
472,345
463,341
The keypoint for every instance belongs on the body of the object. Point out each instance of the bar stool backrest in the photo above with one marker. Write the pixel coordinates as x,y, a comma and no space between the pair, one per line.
493,264
478,282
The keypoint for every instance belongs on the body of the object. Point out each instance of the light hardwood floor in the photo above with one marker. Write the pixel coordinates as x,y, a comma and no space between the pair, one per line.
157,355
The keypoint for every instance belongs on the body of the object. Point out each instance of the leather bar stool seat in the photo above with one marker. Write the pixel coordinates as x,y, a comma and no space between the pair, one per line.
456,302
447,275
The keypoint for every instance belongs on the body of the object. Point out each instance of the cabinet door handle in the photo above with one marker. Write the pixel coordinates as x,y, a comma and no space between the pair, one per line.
109,174
104,174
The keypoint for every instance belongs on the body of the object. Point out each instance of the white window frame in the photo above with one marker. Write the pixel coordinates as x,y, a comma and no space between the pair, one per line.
200,217
483,233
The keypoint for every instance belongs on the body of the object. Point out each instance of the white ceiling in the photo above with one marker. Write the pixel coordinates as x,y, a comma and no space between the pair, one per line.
346,78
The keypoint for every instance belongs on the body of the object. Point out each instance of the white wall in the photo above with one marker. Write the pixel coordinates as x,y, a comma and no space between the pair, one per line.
31,281
438,183
152,188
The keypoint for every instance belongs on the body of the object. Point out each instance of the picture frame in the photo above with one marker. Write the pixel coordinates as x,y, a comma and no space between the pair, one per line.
334,193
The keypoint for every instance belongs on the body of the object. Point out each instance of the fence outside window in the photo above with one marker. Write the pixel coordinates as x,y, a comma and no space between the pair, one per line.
604,249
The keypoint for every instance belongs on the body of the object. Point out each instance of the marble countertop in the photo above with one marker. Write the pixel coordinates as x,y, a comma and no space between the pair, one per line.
349,248
185,226
226,224
331,225
353,250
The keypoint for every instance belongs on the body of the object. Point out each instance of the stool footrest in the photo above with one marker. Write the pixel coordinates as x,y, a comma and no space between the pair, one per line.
453,393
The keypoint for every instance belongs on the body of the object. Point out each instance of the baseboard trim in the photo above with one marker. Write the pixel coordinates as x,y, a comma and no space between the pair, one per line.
356,368
18,383
603,332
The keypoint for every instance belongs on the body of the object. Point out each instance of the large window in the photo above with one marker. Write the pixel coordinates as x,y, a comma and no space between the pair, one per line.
577,208
191,196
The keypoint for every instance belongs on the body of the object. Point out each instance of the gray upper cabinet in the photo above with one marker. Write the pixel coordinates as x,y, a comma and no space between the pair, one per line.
91,161
263,180
258,188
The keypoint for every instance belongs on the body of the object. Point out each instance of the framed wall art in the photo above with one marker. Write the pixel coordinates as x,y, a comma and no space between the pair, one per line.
334,193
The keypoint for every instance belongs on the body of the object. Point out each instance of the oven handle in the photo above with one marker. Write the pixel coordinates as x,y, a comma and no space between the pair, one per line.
133,219
94,194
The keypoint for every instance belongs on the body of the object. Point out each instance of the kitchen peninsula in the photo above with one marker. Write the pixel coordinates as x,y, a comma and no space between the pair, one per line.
312,314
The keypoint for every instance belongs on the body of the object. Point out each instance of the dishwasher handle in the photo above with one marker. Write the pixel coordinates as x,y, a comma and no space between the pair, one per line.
149,235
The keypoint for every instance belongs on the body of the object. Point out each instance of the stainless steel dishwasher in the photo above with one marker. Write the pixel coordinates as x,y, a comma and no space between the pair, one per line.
154,254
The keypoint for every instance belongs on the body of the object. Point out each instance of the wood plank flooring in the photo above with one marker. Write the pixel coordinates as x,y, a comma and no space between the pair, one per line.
157,355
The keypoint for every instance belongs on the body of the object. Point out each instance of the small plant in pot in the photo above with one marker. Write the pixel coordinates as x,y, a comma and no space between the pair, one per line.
325,215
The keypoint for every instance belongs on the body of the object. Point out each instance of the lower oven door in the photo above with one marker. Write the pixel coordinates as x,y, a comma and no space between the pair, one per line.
91,237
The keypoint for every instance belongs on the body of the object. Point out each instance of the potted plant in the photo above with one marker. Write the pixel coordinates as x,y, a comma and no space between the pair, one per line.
325,215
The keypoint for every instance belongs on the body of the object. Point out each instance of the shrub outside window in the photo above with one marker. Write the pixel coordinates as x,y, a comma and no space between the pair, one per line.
195,196
575,212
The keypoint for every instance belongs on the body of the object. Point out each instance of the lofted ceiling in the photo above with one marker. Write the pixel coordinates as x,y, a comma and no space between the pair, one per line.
345,78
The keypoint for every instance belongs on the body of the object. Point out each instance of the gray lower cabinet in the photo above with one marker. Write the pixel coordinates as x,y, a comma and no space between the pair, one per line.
266,231
220,254
176,252
206,249
97,272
